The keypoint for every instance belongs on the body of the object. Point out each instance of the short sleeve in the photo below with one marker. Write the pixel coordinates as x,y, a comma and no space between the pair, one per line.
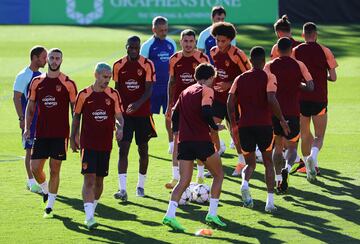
201,41
274,52
271,82
207,96
80,99
171,66
72,91
20,84
145,48
118,103
244,63
32,89
150,71
330,59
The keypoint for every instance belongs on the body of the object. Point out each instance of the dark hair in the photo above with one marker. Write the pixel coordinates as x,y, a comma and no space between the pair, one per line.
309,28
223,29
159,20
283,24
36,51
55,50
133,39
204,71
187,32
257,54
284,44
217,10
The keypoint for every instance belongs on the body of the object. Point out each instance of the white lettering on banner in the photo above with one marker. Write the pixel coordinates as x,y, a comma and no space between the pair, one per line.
187,78
132,85
173,3
49,101
100,115
84,19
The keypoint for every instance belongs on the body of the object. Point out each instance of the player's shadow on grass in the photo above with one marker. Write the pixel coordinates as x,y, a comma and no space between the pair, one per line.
309,225
110,233
105,212
160,158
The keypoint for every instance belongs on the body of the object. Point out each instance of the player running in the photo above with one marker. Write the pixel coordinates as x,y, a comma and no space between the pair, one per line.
51,93
229,62
159,48
182,69
21,88
313,105
134,76
290,75
99,106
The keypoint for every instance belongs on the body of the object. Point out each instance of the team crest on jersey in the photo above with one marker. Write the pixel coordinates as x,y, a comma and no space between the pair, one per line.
194,65
169,46
58,88
107,101
227,63
139,72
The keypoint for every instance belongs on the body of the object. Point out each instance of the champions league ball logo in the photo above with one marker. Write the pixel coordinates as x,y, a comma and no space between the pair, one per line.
84,19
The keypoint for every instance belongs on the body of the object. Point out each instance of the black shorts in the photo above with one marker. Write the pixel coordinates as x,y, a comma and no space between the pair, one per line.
308,108
192,150
262,136
294,125
143,127
44,148
220,110
95,162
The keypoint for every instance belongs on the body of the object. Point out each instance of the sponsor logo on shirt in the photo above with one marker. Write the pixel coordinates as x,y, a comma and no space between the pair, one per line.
163,56
132,85
222,74
49,101
187,78
100,115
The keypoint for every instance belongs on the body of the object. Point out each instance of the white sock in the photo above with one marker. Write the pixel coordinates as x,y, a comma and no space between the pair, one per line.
176,173
288,167
305,157
31,182
270,199
171,144
95,204
44,187
51,200
89,210
213,206
171,209
200,173
297,158
314,153
241,159
278,178
244,185
141,181
122,182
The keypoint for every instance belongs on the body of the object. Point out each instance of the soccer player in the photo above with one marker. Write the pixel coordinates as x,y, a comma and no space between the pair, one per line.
51,92
21,87
254,92
99,105
182,69
206,40
159,48
134,76
192,116
313,105
282,28
229,62
290,75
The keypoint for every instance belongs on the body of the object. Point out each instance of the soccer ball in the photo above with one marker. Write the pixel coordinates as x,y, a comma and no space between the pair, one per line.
185,197
192,186
201,193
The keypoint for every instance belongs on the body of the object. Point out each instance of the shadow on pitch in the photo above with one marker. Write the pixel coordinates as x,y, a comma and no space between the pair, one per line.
160,158
105,212
110,233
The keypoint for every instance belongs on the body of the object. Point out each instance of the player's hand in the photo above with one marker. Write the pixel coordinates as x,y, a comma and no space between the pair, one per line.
222,86
26,134
132,108
22,124
221,127
168,113
119,134
285,127
74,144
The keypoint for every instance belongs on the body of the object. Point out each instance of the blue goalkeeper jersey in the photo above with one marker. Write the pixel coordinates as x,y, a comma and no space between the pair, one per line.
159,52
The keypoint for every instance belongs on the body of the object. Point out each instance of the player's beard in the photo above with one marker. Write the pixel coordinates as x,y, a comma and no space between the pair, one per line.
55,69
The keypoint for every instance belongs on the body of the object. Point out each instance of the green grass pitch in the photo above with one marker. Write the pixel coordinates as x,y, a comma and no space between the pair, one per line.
325,212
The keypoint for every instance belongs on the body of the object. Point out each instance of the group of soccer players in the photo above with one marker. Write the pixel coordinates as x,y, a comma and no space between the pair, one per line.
267,107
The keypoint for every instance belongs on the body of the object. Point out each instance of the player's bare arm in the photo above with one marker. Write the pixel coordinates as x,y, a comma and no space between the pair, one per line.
119,124
29,114
74,136
18,108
